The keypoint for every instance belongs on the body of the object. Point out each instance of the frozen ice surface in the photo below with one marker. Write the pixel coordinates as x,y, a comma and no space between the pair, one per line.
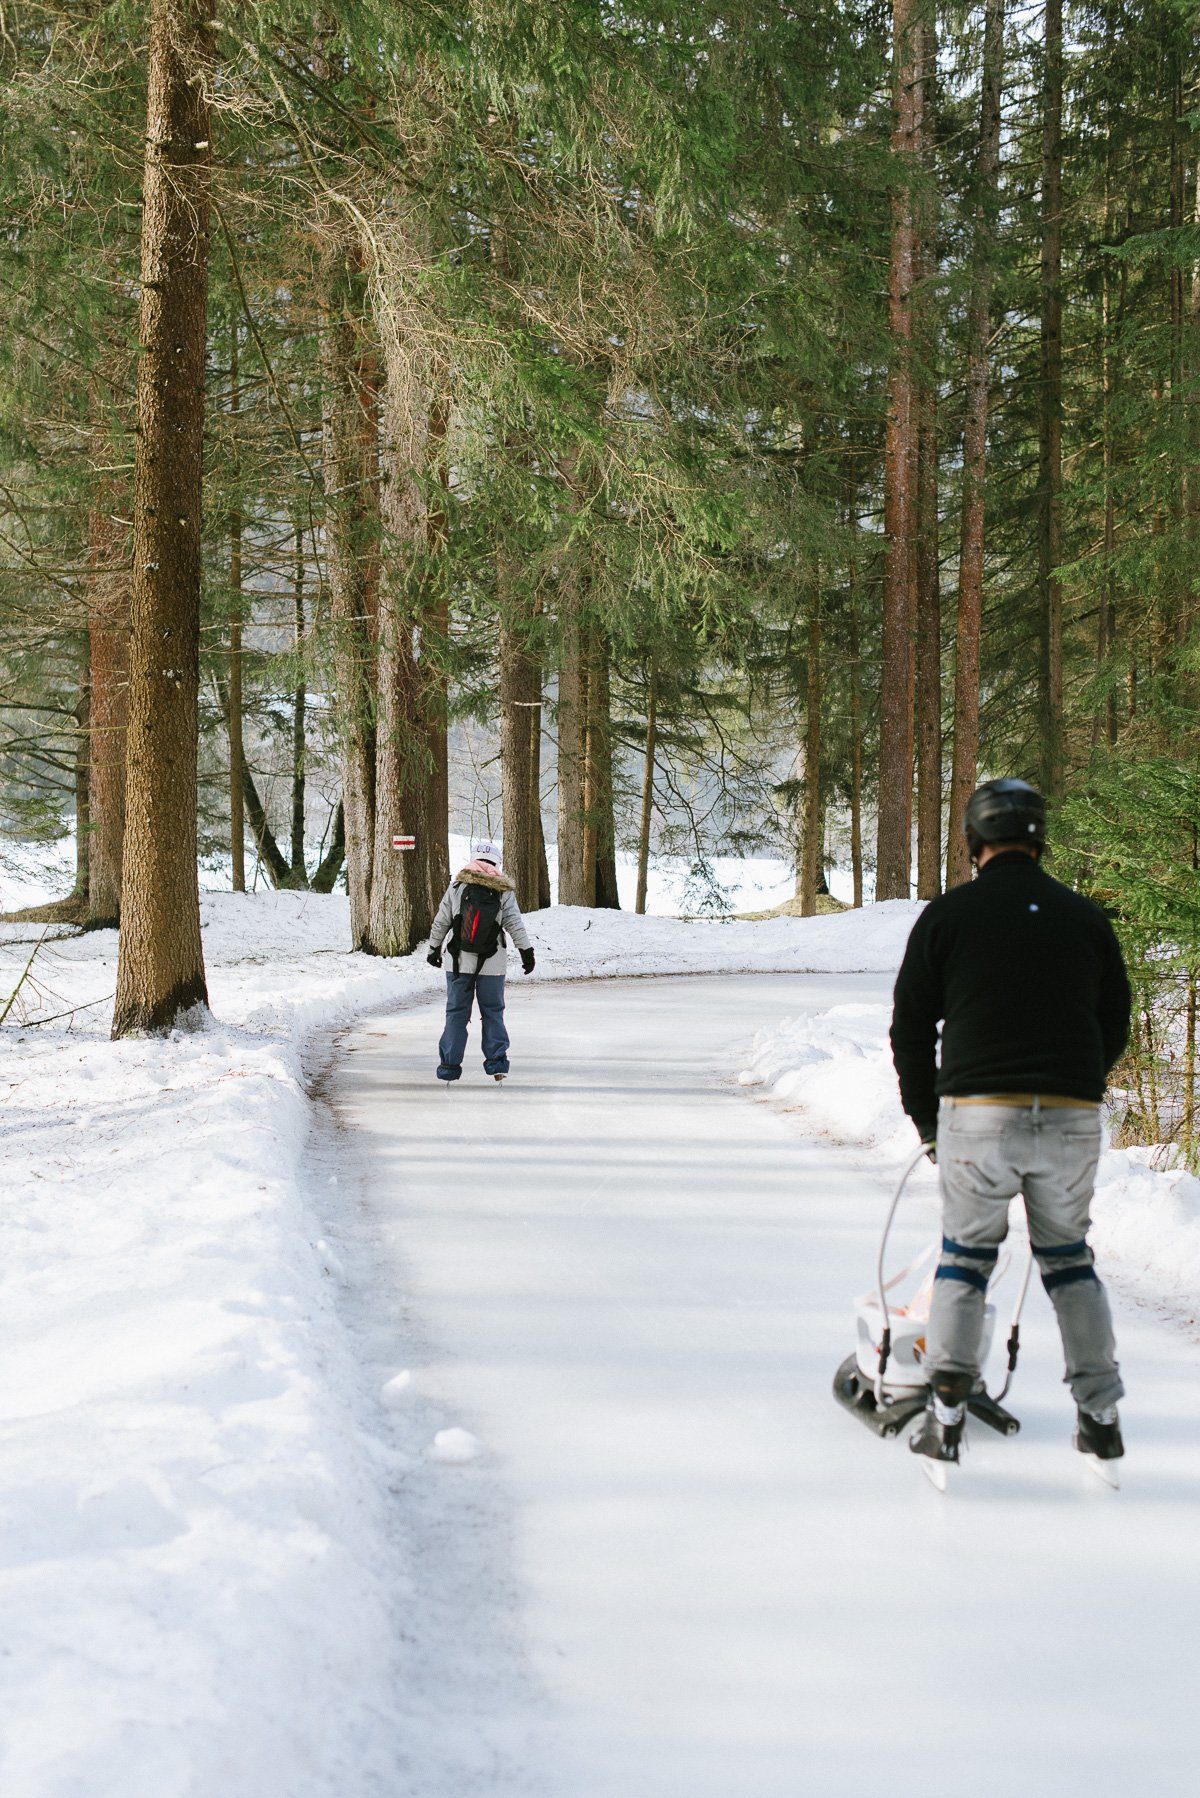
725,1585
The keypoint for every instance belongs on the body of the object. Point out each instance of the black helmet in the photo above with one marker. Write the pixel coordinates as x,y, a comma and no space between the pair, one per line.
1005,811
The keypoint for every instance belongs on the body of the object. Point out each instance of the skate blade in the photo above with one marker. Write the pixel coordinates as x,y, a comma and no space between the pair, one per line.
934,1471
1107,1472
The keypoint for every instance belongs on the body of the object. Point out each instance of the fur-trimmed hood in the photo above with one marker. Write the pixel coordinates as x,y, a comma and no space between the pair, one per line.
485,874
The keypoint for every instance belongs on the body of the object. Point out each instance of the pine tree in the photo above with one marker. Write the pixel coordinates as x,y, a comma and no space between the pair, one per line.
160,970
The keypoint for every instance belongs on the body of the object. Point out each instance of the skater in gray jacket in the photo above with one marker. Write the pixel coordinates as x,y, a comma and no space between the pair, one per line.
478,908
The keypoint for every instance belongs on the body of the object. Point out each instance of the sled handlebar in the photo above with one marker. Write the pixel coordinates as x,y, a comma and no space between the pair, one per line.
885,1341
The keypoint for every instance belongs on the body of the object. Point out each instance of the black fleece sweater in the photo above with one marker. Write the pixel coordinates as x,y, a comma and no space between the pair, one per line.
1029,981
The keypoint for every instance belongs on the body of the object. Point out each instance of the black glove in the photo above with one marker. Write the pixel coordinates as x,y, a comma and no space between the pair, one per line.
527,960
434,958
929,1144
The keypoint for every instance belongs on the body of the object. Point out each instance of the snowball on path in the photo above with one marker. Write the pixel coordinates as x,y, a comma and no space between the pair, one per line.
396,1390
454,1446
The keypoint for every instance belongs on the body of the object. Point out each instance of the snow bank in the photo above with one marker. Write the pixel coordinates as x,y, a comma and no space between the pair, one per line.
835,1069
194,1595
200,1581
573,942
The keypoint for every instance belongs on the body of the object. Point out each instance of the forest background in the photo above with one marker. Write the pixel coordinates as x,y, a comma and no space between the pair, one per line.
670,429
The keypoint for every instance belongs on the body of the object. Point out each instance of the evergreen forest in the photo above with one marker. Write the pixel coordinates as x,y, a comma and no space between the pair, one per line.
726,428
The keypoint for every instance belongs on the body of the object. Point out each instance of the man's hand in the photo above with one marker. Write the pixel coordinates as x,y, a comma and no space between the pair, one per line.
434,958
527,960
929,1144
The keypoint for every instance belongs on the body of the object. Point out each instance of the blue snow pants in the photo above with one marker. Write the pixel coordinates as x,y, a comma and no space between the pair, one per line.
461,990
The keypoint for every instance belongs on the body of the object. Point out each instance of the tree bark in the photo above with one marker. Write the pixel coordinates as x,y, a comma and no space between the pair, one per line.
1050,410
280,871
856,750
647,790
927,559
237,754
811,832
160,969
894,846
330,865
600,853
399,910
1104,724
574,872
969,626
299,712
83,808
520,750
435,652
349,531
108,658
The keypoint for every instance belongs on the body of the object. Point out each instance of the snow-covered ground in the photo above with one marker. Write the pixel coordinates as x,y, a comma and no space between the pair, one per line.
835,1071
194,1484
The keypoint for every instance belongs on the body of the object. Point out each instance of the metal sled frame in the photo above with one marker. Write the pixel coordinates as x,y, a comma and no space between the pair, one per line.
887,1413
889,1418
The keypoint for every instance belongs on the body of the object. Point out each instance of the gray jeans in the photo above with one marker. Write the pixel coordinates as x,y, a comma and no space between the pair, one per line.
986,1155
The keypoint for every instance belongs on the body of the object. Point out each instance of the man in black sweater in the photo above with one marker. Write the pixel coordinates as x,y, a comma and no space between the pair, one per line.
1027,980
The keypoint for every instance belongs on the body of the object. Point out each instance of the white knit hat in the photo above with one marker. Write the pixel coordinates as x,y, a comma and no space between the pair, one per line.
487,851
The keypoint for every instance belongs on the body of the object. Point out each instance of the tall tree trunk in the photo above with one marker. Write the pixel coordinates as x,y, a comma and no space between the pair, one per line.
1104,724
1050,410
83,808
856,750
576,880
270,856
600,851
1177,587
927,560
299,712
330,865
974,483
811,832
520,743
894,846
349,533
435,653
399,906
643,873
160,968
237,754
108,657
545,896
1191,373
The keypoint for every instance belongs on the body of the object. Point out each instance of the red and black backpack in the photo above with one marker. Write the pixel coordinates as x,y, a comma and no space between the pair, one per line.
476,929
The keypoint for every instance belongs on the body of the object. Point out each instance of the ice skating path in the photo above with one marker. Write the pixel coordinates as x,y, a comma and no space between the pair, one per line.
682,1571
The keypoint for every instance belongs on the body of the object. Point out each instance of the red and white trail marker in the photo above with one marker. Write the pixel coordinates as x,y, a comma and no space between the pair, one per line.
404,842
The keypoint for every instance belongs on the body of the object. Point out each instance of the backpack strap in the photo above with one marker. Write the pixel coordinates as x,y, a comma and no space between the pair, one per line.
453,939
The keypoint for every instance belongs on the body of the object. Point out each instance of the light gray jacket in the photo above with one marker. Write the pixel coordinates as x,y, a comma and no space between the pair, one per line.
511,921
